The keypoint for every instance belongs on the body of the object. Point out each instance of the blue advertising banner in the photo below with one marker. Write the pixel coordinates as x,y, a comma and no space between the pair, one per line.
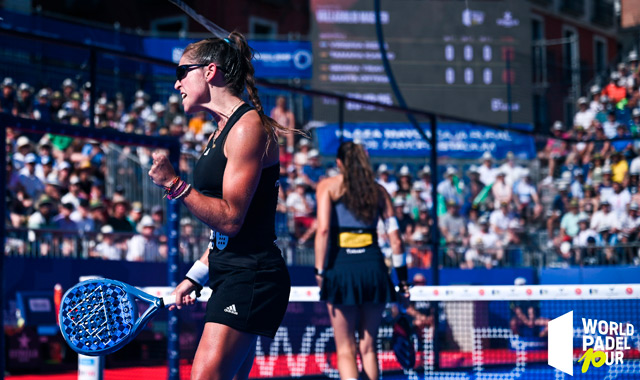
273,59
455,140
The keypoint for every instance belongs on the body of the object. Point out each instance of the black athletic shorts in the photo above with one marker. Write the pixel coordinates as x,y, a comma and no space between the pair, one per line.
251,297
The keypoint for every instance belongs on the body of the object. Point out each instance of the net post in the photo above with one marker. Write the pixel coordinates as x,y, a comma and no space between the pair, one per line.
435,233
173,217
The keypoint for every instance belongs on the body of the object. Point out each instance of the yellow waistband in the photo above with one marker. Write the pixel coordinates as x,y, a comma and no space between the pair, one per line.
355,240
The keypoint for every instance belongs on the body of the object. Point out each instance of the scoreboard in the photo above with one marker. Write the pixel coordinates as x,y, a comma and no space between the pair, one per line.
455,57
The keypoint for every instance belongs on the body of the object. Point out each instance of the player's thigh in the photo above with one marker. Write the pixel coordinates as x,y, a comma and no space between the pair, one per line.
221,352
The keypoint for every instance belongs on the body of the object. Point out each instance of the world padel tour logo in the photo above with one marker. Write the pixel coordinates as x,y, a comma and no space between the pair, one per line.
603,343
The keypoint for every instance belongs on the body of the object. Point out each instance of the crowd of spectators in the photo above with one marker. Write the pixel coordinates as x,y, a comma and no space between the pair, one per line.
488,213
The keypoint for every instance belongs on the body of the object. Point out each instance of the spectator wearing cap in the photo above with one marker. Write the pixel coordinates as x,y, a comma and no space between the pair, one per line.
301,205
313,171
300,157
144,246
404,181
585,115
23,147
587,245
44,214
525,197
511,169
424,222
107,249
569,223
502,192
577,185
385,180
619,199
63,172
73,108
475,185
603,218
448,188
406,223
615,89
580,151
173,109
68,87
98,213
419,252
42,108
610,126
92,152
605,188
555,151
135,214
413,202
595,105
53,188
634,122
118,218
485,247
499,219
486,171
56,103
453,227
27,177
177,129
74,194
82,216
45,169
8,96
24,101
424,177
610,251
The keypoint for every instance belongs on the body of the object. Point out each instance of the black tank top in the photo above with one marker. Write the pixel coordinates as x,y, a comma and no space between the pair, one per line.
255,242
351,241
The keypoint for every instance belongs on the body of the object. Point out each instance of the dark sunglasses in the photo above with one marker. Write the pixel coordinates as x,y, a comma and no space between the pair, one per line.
182,70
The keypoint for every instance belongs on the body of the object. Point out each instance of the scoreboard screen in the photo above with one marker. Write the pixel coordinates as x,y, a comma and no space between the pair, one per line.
453,57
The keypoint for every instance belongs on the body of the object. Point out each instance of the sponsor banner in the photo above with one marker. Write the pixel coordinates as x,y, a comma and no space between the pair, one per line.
473,293
273,59
455,140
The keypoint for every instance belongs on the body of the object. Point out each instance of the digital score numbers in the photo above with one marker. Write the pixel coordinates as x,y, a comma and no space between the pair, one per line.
447,57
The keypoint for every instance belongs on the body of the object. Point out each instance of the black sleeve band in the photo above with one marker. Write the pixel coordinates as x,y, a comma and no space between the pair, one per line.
198,286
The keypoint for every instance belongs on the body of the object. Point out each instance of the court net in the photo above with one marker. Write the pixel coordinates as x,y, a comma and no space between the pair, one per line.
479,332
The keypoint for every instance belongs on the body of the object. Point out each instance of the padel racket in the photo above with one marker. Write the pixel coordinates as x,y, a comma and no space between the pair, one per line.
100,316
402,342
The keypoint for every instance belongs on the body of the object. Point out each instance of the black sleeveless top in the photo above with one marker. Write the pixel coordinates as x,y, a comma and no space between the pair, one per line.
255,242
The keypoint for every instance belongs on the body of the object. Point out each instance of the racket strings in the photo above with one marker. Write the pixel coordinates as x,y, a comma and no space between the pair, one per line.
99,316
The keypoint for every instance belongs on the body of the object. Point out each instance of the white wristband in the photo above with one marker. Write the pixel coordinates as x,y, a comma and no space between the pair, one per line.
391,224
199,273
399,260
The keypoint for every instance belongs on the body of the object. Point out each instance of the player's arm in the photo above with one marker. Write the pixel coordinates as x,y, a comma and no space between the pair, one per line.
245,150
323,220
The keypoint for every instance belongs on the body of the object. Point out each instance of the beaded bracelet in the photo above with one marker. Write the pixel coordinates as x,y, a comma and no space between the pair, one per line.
178,189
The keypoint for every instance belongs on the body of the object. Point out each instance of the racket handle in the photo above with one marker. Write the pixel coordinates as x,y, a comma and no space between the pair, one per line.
171,299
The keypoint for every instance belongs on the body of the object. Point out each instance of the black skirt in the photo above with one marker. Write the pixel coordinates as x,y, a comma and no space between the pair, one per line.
357,283
251,299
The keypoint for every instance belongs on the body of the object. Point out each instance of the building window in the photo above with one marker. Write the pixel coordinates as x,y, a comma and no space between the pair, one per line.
570,54
262,28
600,56
538,51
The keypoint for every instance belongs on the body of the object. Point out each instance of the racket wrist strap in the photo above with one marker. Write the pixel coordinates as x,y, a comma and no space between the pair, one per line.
198,275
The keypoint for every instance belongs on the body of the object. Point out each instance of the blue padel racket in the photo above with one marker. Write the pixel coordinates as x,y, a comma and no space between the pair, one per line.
100,316
402,342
